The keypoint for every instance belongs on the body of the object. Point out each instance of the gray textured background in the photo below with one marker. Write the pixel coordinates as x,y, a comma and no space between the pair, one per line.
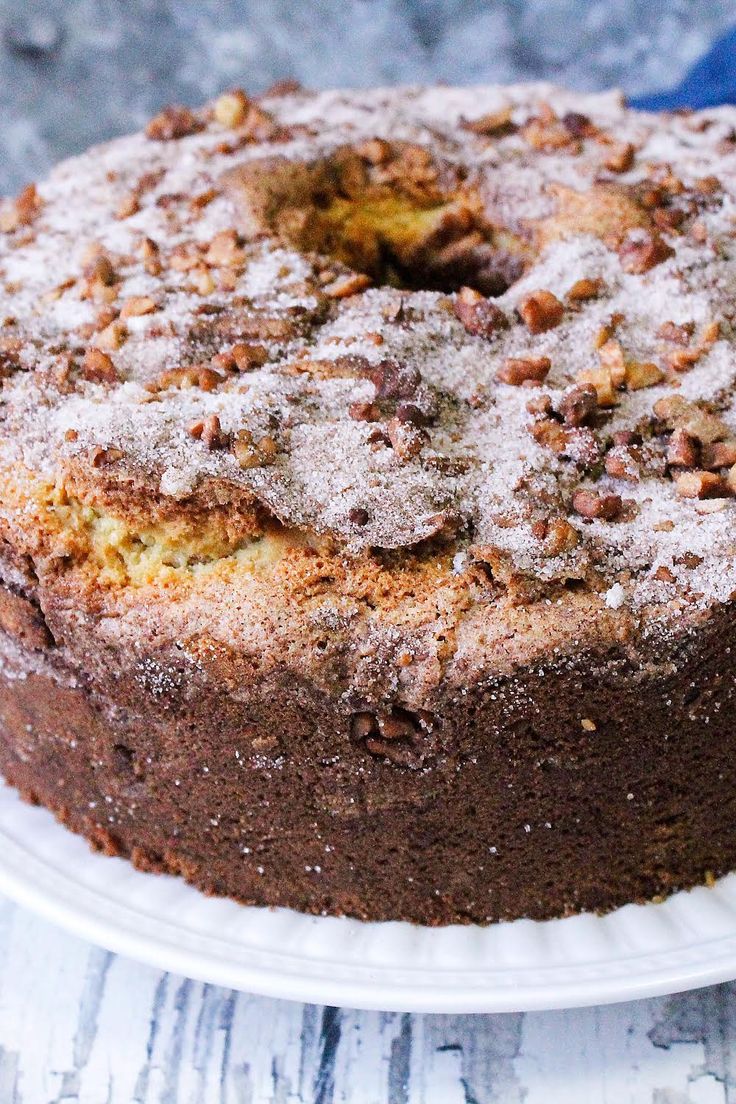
75,71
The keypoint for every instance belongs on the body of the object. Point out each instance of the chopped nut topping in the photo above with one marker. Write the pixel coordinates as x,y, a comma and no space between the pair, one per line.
680,333
541,310
364,412
206,379
579,405
520,370
557,536
128,205
621,462
407,440
98,367
480,316
100,457
577,124
376,151
550,434
683,450
583,290
231,107
589,504
210,433
600,379
136,306
112,336
492,125
547,132
358,515
393,380
642,374
720,454
247,357
250,453
620,158
701,484
225,250
679,413
173,122
640,254
345,286
20,211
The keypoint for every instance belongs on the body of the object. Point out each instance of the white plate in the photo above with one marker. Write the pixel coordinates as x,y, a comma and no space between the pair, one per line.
637,951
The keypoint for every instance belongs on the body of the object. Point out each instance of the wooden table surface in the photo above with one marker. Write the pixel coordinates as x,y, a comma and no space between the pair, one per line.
81,1026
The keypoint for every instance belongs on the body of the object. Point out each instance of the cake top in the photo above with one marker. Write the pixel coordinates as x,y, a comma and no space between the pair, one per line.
496,321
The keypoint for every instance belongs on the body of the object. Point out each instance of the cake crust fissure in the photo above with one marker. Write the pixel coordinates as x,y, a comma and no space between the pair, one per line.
367,488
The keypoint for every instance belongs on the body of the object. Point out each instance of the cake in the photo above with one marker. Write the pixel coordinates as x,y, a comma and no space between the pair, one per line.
367,476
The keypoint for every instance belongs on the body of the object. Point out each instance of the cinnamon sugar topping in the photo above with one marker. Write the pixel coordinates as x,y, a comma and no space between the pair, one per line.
337,304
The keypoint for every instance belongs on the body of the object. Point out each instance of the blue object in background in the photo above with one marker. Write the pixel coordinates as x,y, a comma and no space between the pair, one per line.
710,82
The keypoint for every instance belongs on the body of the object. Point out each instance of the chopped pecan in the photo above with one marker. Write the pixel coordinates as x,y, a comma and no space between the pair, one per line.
520,370
137,306
720,454
101,457
701,484
247,356
20,211
683,450
480,316
585,289
590,504
198,375
376,151
600,379
250,453
364,412
225,250
407,440
622,462
668,218
680,413
547,132
550,434
358,515
129,205
620,157
209,431
611,356
230,108
393,380
540,311
173,122
679,333
98,366
112,336
577,125
557,535
579,404
493,125
640,374
352,283
640,253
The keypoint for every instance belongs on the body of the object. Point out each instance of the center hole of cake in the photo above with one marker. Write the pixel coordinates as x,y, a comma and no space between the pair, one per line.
385,209
416,243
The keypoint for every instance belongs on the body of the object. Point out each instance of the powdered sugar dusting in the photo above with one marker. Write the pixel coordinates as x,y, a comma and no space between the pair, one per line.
481,468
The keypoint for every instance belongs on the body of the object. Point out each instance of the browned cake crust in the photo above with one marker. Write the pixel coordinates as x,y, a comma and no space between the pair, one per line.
366,518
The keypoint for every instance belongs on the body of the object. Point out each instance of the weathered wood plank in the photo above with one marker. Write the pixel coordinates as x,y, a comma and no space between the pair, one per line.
80,1026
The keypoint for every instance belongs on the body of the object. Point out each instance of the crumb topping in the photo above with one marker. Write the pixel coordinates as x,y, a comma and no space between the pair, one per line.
496,318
